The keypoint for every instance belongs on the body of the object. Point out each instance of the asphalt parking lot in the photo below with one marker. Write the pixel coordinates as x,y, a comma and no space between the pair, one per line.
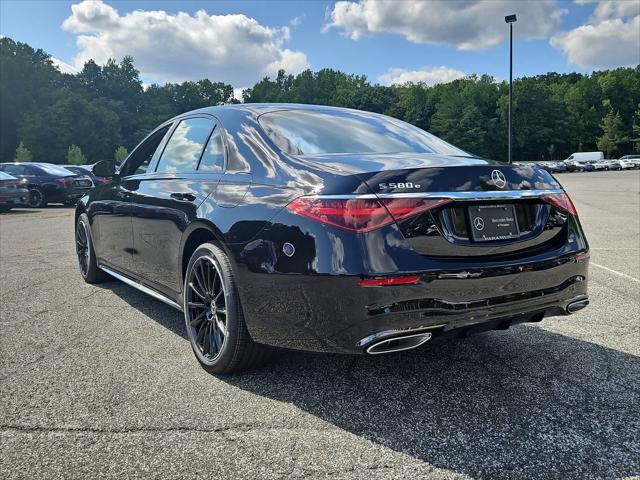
99,381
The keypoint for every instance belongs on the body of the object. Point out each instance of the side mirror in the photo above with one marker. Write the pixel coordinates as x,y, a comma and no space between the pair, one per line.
105,168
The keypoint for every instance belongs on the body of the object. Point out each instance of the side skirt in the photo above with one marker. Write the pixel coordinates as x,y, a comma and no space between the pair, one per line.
142,288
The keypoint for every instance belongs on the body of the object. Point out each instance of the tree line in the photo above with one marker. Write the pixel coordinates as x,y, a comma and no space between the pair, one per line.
104,111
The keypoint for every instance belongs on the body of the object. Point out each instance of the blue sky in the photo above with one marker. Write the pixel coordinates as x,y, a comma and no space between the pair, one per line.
240,42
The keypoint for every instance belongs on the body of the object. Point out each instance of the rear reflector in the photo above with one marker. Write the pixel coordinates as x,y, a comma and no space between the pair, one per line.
381,282
359,214
561,201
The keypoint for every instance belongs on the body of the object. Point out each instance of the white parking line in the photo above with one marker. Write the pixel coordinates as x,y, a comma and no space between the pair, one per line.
624,275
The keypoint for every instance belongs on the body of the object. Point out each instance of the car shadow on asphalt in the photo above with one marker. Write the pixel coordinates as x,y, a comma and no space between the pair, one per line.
521,403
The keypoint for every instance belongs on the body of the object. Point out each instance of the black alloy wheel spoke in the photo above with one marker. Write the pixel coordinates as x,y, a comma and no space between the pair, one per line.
197,320
198,292
200,280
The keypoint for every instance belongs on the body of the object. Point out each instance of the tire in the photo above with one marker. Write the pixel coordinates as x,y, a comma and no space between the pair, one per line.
36,198
87,261
213,315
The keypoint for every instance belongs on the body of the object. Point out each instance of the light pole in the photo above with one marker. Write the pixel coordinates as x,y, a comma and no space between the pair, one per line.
510,19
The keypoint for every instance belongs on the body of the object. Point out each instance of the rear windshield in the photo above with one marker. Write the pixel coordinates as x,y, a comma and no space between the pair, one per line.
54,169
301,132
79,170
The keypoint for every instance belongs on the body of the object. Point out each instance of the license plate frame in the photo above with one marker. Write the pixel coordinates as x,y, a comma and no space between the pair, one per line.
492,223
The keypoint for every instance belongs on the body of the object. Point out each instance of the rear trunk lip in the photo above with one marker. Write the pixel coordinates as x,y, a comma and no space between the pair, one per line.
467,195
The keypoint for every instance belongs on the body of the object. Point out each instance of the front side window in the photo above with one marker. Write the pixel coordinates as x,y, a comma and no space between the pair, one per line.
213,156
301,132
185,146
138,161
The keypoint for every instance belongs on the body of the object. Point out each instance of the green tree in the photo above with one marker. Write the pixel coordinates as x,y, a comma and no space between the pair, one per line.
23,154
75,156
120,154
613,134
75,119
636,130
28,81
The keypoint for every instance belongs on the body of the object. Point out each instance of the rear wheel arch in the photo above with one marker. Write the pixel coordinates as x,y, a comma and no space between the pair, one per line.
195,235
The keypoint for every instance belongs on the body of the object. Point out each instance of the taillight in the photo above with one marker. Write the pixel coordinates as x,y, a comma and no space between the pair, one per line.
64,180
561,201
360,214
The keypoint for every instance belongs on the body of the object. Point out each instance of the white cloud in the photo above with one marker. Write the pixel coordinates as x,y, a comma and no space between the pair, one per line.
468,25
237,93
606,10
230,48
64,67
610,39
400,76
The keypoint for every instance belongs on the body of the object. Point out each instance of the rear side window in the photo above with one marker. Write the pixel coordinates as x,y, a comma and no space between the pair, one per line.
185,146
213,156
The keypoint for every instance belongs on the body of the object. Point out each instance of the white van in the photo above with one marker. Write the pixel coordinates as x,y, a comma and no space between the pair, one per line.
582,157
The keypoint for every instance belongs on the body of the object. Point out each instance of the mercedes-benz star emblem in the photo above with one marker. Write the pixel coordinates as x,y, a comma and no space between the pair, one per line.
498,179
478,223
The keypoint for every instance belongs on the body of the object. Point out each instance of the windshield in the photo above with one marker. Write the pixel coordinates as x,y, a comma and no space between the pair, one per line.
54,169
300,132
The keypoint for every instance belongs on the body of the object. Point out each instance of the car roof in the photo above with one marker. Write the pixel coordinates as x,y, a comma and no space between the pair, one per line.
257,109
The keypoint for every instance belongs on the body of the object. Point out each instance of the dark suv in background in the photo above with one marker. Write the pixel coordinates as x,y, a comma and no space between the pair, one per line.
48,183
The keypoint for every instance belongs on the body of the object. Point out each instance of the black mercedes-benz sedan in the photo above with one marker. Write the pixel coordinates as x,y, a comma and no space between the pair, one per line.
48,183
328,229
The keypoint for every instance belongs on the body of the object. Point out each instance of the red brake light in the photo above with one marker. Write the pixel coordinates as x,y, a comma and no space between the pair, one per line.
561,201
360,214
384,281
64,180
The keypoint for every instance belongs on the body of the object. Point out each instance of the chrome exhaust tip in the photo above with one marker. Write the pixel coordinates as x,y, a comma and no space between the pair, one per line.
577,305
397,344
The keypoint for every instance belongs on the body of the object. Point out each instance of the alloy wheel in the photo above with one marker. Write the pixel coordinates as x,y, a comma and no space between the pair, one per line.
35,198
206,309
82,247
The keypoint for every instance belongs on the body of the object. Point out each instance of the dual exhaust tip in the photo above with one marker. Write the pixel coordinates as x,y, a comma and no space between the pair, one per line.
398,344
407,342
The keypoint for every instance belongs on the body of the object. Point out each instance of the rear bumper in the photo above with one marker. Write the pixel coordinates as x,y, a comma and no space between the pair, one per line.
335,314
13,197
66,194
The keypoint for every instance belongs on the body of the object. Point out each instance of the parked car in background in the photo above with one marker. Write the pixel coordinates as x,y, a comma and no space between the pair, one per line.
574,165
13,192
628,162
48,183
87,171
328,229
553,167
612,165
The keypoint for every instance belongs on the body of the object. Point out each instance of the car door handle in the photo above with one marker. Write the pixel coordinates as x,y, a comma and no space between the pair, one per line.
189,197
